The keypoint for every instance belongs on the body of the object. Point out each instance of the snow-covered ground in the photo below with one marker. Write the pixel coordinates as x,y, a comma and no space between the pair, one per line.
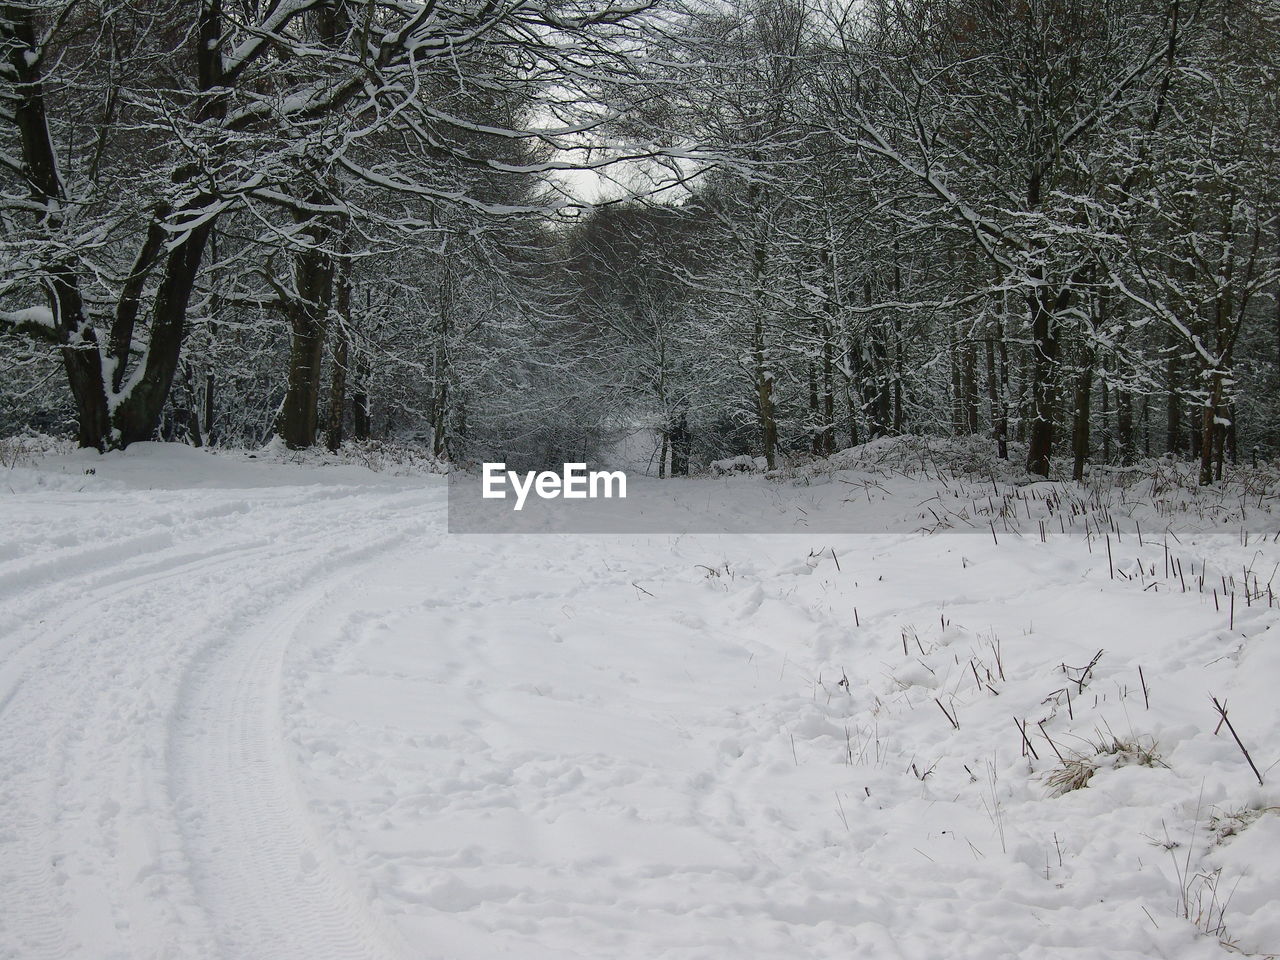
268,711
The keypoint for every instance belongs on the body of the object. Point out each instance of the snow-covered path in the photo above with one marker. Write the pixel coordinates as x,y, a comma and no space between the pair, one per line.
264,719
140,766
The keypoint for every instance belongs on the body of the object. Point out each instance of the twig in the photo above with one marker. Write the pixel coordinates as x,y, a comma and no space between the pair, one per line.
1040,724
1025,739
1222,712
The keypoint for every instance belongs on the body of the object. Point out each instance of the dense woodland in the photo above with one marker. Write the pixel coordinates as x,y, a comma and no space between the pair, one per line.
1051,223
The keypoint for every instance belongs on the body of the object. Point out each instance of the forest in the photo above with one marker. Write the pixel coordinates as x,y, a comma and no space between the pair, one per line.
525,228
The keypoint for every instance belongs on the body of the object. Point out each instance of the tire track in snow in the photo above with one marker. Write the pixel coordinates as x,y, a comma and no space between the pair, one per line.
92,862
268,880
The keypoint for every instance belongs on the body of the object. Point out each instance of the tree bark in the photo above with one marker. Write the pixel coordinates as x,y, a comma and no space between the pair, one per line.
308,313
681,445
1173,404
1124,425
341,352
1209,428
995,397
1044,363
1080,426
957,402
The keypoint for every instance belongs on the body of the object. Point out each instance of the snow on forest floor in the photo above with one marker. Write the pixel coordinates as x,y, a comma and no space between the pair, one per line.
267,711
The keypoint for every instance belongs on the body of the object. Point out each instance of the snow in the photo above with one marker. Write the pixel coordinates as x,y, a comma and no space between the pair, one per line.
29,316
263,709
739,464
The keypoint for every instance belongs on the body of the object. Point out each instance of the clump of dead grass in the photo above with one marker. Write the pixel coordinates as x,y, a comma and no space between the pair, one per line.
1104,751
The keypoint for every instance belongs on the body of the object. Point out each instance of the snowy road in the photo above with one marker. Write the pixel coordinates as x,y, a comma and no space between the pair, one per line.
268,718
143,635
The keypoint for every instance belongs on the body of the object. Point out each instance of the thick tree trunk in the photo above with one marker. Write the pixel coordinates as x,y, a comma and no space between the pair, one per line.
1044,363
883,393
360,414
84,374
308,313
192,408
764,407
138,412
1216,418
1209,428
681,445
1124,425
299,416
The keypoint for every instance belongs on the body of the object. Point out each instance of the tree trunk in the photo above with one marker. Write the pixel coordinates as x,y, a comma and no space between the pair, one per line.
815,419
360,395
1044,362
313,279
210,424
1105,393
1196,428
1081,414
995,399
899,353
191,409
969,372
1209,428
762,373
849,394
957,403
1124,425
360,412
341,352
1232,435
681,445
1146,427
1173,405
